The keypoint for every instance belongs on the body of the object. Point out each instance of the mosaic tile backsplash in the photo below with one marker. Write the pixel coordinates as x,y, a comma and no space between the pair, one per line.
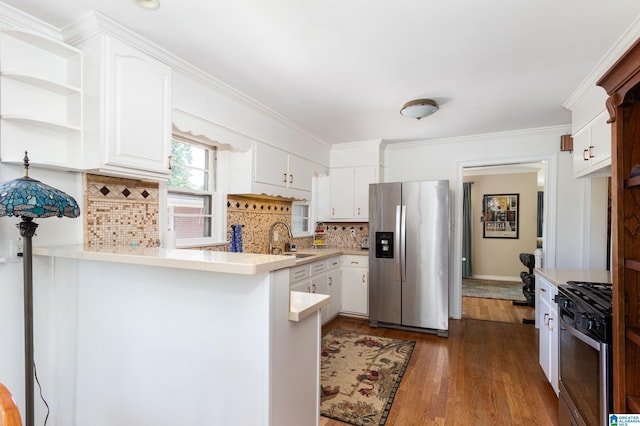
120,212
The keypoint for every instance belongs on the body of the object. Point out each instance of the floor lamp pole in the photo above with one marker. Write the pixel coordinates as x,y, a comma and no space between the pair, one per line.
27,230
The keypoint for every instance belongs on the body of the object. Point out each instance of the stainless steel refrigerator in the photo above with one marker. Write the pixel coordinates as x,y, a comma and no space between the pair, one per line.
409,256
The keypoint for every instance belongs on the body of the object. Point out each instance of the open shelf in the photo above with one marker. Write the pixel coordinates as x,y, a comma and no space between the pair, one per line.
632,182
633,403
633,335
633,264
51,86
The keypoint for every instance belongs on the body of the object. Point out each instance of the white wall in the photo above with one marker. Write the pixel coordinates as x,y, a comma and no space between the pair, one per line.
444,159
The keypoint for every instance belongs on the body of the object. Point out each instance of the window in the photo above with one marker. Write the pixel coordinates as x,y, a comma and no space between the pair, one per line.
190,191
301,219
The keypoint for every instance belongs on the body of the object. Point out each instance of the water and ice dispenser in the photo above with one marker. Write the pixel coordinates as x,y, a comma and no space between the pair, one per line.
384,245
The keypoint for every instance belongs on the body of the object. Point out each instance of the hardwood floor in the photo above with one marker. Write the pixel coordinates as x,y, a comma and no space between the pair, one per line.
484,373
495,310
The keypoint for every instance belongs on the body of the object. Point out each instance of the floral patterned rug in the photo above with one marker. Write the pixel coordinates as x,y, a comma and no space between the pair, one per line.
359,375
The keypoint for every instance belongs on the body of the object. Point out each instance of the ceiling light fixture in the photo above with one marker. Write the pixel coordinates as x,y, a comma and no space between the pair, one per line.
148,4
419,108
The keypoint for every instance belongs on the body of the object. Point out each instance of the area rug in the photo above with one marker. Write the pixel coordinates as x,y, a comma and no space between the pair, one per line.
359,375
489,289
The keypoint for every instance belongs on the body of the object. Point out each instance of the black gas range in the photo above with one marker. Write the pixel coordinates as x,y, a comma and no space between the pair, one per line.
588,305
585,338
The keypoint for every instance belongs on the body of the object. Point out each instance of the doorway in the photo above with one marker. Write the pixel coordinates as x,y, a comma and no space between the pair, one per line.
544,168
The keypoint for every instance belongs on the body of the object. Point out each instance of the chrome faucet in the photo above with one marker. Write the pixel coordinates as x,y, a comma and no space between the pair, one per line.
271,248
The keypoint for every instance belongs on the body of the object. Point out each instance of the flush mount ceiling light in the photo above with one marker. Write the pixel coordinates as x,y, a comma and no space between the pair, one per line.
419,108
148,4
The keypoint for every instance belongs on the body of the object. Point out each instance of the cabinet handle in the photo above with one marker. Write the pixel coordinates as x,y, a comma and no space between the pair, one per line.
314,288
285,178
549,325
543,290
585,155
358,211
364,277
308,289
290,178
330,280
546,319
170,158
333,211
592,149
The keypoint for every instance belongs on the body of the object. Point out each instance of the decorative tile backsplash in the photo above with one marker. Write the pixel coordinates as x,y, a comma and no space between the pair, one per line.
120,212
256,215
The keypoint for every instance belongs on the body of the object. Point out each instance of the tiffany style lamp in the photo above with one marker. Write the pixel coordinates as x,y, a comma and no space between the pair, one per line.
28,199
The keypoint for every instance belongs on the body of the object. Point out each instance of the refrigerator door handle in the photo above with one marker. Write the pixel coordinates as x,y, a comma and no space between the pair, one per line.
396,244
403,242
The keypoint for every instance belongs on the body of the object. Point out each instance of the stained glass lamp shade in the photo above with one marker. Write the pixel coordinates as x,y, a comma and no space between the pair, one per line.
29,198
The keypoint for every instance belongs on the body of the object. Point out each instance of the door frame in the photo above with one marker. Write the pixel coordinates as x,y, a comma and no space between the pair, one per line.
549,223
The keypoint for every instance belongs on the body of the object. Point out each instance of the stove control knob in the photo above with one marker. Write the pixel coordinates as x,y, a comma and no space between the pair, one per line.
586,321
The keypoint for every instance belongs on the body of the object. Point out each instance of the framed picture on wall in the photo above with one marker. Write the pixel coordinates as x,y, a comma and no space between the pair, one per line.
500,215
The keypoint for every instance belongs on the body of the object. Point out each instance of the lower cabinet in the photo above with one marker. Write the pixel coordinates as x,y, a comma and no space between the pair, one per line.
355,285
549,326
322,277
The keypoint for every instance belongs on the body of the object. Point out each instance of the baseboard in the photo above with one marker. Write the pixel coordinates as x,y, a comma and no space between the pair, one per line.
496,278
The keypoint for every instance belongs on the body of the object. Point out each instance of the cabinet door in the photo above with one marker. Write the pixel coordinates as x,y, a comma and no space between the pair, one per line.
334,280
600,141
303,286
341,193
544,349
362,177
270,165
319,285
139,93
355,291
554,327
300,173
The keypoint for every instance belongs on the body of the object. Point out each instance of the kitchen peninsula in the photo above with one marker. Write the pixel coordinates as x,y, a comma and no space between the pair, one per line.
146,335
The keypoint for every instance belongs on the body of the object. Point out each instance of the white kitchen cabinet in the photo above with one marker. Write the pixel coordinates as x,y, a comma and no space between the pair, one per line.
264,169
41,103
349,192
355,285
592,146
322,277
128,110
548,335
279,168
334,287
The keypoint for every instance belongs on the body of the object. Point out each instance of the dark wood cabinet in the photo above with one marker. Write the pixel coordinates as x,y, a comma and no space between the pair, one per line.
622,83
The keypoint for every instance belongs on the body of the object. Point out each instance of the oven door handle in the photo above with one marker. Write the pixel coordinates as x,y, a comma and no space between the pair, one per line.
581,336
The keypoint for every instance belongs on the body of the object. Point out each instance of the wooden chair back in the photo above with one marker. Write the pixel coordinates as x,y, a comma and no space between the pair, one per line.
9,413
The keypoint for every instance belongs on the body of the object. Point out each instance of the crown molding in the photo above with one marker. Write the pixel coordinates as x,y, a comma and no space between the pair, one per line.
12,17
94,24
563,128
624,42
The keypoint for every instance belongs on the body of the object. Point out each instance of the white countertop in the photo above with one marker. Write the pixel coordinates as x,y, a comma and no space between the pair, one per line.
212,261
324,253
561,276
303,304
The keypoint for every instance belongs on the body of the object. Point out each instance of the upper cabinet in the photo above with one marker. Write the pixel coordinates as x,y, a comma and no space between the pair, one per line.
349,192
279,168
270,171
591,134
127,110
41,103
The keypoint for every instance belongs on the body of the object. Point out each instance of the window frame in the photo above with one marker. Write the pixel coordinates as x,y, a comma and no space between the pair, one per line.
212,183
309,217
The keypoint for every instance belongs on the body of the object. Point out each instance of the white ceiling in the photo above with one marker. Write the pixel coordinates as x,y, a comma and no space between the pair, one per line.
342,69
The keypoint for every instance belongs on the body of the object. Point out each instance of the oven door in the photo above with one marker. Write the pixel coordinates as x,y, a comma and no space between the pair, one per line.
585,374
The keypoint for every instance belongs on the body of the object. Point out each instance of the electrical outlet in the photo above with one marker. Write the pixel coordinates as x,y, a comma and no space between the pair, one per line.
353,232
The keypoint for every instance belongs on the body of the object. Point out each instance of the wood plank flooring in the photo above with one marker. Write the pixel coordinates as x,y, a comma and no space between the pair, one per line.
484,373
495,310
